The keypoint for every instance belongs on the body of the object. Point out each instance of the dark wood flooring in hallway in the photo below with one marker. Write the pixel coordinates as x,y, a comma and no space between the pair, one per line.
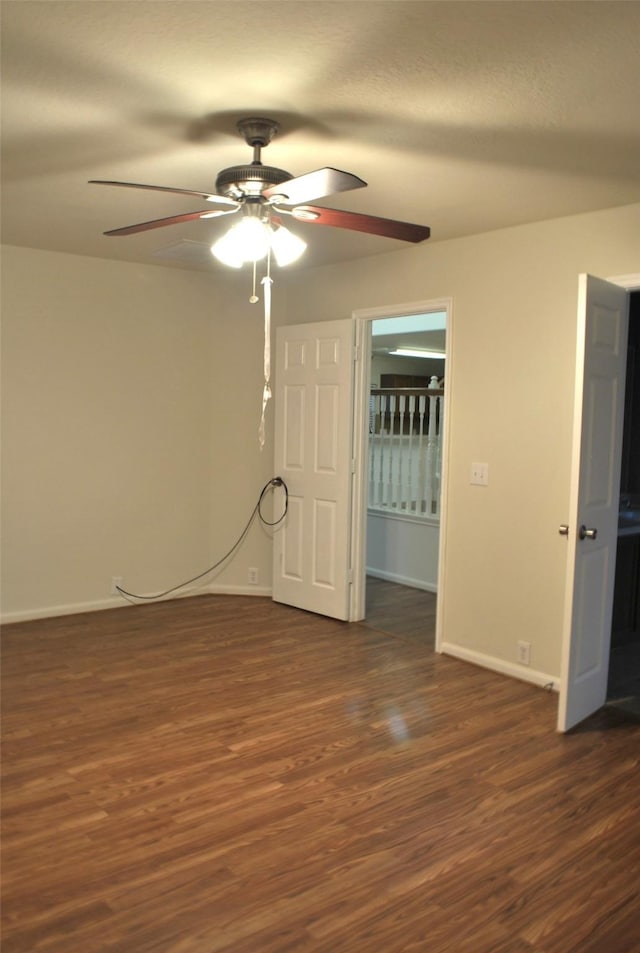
401,611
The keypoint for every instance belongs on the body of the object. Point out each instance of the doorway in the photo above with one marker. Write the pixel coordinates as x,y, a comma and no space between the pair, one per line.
394,587
623,688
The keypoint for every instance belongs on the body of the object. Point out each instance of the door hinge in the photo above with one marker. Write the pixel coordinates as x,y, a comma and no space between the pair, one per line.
353,465
356,352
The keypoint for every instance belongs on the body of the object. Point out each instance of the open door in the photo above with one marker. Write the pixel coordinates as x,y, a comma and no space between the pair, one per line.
595,488
313,455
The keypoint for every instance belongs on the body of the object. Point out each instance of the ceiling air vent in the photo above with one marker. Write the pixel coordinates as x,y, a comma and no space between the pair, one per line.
193,253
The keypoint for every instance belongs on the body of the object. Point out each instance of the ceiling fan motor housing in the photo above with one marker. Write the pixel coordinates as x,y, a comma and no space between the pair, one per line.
239,180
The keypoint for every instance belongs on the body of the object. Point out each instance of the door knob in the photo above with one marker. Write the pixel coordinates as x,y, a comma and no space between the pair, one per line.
585,533
563,529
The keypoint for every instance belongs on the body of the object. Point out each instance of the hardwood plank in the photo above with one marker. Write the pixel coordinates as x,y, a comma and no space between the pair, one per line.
228,774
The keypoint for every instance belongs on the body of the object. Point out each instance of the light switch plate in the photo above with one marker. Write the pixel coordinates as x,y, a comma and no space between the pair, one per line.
480,474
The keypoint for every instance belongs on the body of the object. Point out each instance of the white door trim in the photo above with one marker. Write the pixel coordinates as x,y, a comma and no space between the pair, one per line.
363,318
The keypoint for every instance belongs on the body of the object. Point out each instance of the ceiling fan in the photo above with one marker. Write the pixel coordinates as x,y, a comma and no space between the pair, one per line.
263,194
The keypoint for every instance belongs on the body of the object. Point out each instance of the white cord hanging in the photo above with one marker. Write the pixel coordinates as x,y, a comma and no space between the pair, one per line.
254,298
266,282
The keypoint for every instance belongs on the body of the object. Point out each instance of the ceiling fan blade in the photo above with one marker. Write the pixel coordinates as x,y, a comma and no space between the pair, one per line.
313,185
387,227
171,220
208,196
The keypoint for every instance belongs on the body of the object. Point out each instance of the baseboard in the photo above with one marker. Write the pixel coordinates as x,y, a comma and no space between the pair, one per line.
525,674
220,589
73,608
118,602
402,580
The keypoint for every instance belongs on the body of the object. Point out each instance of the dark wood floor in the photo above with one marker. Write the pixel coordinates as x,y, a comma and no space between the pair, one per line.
410,614
228,775
401,611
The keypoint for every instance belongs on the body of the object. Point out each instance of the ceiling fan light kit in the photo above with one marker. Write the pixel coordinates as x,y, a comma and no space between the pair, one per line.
252,239
254,236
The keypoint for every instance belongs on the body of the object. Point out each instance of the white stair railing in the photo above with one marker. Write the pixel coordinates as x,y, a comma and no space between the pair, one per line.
405,449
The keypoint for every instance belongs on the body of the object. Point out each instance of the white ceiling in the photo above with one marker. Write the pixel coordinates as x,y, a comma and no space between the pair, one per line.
465,116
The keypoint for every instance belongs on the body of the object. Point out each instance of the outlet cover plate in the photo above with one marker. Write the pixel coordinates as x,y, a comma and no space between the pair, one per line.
524,653
479,474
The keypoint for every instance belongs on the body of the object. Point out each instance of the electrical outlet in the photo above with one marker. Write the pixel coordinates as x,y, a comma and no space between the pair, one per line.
115,582
524,653
253,576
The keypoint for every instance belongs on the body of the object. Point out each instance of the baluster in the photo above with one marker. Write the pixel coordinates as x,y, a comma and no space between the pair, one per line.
439,455
372,449
389,480
400,494
422,404
412,413
431,455
431,448
381,448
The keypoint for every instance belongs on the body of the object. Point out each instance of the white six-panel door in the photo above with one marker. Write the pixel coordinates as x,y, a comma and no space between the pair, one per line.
313,438
595,489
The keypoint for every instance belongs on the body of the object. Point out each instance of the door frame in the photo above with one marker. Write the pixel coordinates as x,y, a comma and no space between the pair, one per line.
363,318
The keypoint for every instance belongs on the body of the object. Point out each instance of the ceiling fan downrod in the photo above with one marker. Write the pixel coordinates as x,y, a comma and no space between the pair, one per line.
257,133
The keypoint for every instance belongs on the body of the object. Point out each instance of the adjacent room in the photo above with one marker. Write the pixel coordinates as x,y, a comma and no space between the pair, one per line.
306,642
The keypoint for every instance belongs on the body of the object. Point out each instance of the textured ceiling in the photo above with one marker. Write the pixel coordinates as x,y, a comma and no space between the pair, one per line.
465,116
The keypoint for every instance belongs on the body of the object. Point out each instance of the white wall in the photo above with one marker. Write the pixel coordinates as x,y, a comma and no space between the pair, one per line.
514,308
131,404
403,549
239,469
131,398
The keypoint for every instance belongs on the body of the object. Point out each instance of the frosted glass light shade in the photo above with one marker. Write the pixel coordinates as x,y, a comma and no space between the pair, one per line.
251,239
246,241
286,246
